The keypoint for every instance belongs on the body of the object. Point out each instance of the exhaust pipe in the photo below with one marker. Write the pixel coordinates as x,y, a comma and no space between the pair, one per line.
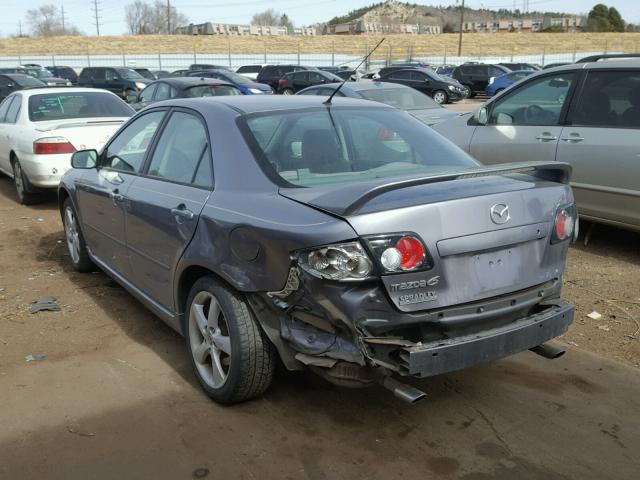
403,391
548,351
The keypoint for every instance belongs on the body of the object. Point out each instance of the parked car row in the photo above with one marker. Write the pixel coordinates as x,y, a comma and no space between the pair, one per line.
333,229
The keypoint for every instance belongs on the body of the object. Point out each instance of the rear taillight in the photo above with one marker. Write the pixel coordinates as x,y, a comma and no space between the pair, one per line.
565,224
402,252
52,146
282,81
341,261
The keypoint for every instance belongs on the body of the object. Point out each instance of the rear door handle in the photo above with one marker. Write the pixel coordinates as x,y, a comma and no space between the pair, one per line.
546,137
573,137
182,212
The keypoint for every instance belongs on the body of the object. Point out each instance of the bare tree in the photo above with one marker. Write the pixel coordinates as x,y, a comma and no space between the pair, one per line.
144,18
46,21
267,18
138,16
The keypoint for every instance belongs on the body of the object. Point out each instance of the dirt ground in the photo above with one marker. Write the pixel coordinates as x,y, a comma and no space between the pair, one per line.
110,393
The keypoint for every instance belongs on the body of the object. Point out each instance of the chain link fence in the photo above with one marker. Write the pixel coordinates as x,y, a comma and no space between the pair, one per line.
335,55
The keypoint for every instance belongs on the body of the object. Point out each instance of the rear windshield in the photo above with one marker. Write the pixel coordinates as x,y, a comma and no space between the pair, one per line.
235,78
212,91
402,98
344,145
63,106
249,69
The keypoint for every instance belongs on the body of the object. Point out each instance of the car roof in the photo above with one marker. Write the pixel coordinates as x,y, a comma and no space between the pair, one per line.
190,81
18,76
67,90
247,104
608,64
363,85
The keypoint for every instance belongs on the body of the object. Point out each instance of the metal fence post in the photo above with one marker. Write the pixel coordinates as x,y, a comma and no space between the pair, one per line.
229,51
159,61
19,59
88,60
575,47
444,59
53,60
544,54
366,52
299,53
388,55
410,51
265,52
606,46
124,59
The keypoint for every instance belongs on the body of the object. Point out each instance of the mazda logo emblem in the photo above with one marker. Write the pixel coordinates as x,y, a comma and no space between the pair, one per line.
500,213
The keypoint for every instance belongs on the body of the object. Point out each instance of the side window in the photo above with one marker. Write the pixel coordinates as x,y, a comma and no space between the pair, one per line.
314,91
163,92
98,74
14,109
110,74
418,76
609,99
127,151
147,93
401,75
4,106
495,72
181,151
301,76
315,77
540,102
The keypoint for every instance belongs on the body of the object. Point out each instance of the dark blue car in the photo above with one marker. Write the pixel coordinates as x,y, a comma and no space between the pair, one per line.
244,84
502,82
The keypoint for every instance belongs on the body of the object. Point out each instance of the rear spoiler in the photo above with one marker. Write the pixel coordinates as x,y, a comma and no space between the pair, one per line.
76,123
551,171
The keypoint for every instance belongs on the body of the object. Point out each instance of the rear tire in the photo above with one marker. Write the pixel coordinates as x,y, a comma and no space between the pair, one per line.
467,92
232,358
441,97
75,240
23,188
287,91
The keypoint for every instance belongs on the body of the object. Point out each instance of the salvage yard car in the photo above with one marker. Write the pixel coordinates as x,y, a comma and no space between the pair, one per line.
41,127
585,114
347,237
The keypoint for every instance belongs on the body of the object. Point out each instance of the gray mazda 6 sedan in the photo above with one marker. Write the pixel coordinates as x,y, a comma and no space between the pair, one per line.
346,237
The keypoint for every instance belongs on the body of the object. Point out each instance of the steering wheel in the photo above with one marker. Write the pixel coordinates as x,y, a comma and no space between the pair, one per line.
533,114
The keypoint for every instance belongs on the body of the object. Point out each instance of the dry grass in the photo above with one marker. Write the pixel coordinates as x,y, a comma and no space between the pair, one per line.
396,45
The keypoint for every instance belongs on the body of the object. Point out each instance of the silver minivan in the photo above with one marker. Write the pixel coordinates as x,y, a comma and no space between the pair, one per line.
586,114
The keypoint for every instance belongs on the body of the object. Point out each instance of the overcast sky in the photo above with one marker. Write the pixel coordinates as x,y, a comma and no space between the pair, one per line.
80,12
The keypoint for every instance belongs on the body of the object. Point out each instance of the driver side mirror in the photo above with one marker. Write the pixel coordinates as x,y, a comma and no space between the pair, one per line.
132,98
84,159
483,116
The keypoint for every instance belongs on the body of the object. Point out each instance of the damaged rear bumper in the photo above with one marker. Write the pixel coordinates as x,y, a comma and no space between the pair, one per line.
458,353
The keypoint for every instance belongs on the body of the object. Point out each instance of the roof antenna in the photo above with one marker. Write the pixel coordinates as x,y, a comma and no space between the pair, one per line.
328,100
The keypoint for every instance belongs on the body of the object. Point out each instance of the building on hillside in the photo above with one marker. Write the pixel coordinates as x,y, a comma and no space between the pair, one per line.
209,28
361,27
568,24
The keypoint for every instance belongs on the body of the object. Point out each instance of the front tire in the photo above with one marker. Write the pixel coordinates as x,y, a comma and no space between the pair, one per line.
23,187
75,240
441,97
230,355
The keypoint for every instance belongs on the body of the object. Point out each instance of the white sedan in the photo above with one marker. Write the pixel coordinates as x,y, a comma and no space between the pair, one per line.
40,128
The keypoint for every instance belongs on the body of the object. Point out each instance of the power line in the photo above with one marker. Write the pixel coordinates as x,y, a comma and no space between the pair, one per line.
96,12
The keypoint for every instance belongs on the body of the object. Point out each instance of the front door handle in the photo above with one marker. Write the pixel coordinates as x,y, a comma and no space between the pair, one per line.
182,212
546,137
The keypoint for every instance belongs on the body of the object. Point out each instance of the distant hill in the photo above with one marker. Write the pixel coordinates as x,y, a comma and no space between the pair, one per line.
394,12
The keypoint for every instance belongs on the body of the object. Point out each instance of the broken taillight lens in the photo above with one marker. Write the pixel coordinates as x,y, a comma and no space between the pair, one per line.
341,261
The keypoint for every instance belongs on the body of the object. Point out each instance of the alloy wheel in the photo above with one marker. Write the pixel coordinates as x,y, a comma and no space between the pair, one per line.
72,235
17,179
209,339
440,97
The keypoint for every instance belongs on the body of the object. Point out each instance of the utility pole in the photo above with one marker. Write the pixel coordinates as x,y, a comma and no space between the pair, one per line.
20,28
168,17
96,12
64,32
460,33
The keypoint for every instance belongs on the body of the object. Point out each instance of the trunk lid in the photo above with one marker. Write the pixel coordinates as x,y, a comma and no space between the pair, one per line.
82,133
477,254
